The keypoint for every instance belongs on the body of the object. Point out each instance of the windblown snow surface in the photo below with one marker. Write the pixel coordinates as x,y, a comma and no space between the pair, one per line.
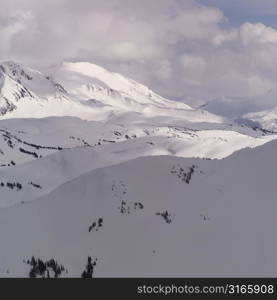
98,170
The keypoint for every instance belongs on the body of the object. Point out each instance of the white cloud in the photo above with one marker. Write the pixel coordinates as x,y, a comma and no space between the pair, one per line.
179,48
257,34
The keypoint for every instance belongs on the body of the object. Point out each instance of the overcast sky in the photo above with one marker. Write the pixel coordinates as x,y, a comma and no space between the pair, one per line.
179,48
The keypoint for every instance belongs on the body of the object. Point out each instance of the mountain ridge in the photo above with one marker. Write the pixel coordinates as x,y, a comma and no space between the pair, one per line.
85,86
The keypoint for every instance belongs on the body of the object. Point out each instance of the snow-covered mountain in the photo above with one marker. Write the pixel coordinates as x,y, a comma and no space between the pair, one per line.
256,112
24,86
265,119
84,90
153,216
93,164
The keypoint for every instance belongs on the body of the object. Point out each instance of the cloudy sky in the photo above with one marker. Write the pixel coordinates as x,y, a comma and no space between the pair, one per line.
193,49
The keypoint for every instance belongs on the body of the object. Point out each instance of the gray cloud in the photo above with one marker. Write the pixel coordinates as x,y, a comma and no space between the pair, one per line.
179,48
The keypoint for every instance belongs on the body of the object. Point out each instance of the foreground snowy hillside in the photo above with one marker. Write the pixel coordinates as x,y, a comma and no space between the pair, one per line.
152,216
97,166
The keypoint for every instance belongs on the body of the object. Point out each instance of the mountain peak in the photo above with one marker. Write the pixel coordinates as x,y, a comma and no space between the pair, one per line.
97,76
111,79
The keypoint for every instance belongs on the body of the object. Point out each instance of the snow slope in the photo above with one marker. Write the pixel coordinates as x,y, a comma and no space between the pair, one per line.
217,221
41,154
